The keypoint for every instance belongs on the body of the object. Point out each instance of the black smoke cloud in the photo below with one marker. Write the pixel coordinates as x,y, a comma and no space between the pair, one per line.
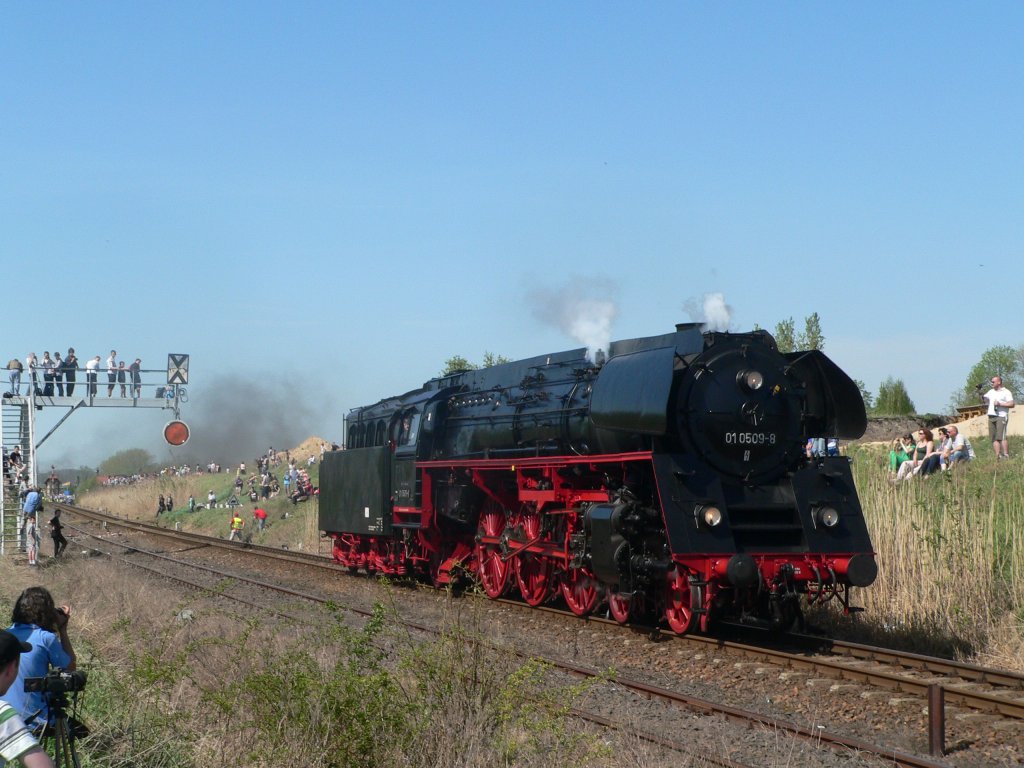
235,419
231,418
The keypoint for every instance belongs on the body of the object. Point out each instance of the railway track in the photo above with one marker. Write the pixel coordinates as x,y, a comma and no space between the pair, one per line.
1001,691
907,674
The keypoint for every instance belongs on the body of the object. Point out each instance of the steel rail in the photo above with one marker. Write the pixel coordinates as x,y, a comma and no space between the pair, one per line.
1000,703
210,541
969,672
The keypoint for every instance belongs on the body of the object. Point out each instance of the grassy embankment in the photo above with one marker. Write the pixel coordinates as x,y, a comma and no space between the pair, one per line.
289,525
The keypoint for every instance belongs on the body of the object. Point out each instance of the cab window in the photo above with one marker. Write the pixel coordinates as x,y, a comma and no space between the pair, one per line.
408,428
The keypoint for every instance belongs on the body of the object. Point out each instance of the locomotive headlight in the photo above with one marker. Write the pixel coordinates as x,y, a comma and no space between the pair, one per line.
828,516
709,515
751,380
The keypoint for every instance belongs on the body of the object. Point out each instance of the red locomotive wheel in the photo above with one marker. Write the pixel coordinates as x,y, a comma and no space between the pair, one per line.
580,591
682,600
492,570
534,574
619,605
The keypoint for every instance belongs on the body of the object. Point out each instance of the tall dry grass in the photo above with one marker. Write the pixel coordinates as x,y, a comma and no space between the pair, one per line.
951,558
139,500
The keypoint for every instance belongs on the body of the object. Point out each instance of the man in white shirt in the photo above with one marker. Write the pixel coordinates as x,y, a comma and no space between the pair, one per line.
91,369
111,372
1000,401
957,448
16,742
32,366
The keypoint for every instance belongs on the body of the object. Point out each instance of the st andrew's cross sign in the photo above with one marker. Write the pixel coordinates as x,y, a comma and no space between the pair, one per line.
177,369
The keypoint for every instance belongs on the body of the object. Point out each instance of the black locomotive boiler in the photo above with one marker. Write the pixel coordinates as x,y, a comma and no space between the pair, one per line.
667,480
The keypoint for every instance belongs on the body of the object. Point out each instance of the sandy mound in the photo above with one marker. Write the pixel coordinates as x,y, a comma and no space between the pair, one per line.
978,426
309,447
883,430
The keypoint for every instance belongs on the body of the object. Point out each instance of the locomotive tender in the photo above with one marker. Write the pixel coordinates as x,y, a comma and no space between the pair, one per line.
668,480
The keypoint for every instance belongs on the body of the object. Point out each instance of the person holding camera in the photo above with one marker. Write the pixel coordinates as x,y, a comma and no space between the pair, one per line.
1000,401
16,741
38,621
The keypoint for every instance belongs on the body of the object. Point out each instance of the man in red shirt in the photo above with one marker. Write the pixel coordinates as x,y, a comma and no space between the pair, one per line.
260,516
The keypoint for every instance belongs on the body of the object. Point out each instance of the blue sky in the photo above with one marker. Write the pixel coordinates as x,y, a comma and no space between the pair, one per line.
333,198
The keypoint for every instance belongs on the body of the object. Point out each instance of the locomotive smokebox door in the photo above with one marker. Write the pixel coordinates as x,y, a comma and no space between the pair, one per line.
355,491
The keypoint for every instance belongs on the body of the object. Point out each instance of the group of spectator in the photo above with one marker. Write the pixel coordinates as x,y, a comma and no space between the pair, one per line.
55,375
923,454
164,505
820,447
28,528
182,470
923,457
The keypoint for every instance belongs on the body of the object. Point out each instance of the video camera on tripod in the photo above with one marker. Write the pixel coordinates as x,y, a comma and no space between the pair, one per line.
62,729
56,681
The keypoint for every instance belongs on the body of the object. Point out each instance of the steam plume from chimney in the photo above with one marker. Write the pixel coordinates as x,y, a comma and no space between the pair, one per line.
583,308
711,310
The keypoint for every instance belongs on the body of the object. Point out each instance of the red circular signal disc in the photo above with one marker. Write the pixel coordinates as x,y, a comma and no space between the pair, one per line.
176,432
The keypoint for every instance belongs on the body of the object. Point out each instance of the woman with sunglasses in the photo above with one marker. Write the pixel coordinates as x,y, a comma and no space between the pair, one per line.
924,447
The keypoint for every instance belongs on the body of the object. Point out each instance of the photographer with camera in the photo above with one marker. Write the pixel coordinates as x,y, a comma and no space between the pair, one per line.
16,741
39,622
1000,401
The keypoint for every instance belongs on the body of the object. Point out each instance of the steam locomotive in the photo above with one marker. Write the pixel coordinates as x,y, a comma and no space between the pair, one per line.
668,480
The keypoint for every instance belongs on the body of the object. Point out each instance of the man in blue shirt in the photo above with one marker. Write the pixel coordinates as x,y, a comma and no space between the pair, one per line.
33,501
40,623
27,524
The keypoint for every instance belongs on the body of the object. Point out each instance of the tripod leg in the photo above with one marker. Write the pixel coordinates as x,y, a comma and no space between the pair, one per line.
65,755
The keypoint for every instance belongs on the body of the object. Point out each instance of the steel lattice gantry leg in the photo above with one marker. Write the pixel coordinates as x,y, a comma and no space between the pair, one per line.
17,427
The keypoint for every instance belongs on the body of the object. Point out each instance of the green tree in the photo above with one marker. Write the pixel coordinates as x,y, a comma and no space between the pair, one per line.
457,363
789,340
128,462
865,393
812,337
491,359
893,399
785,335
1004,361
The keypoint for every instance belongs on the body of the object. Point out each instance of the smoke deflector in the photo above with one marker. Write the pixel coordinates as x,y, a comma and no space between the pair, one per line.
631,392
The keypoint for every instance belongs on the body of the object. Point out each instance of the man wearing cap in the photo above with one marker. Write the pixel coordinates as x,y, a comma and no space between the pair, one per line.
16,742
237,524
